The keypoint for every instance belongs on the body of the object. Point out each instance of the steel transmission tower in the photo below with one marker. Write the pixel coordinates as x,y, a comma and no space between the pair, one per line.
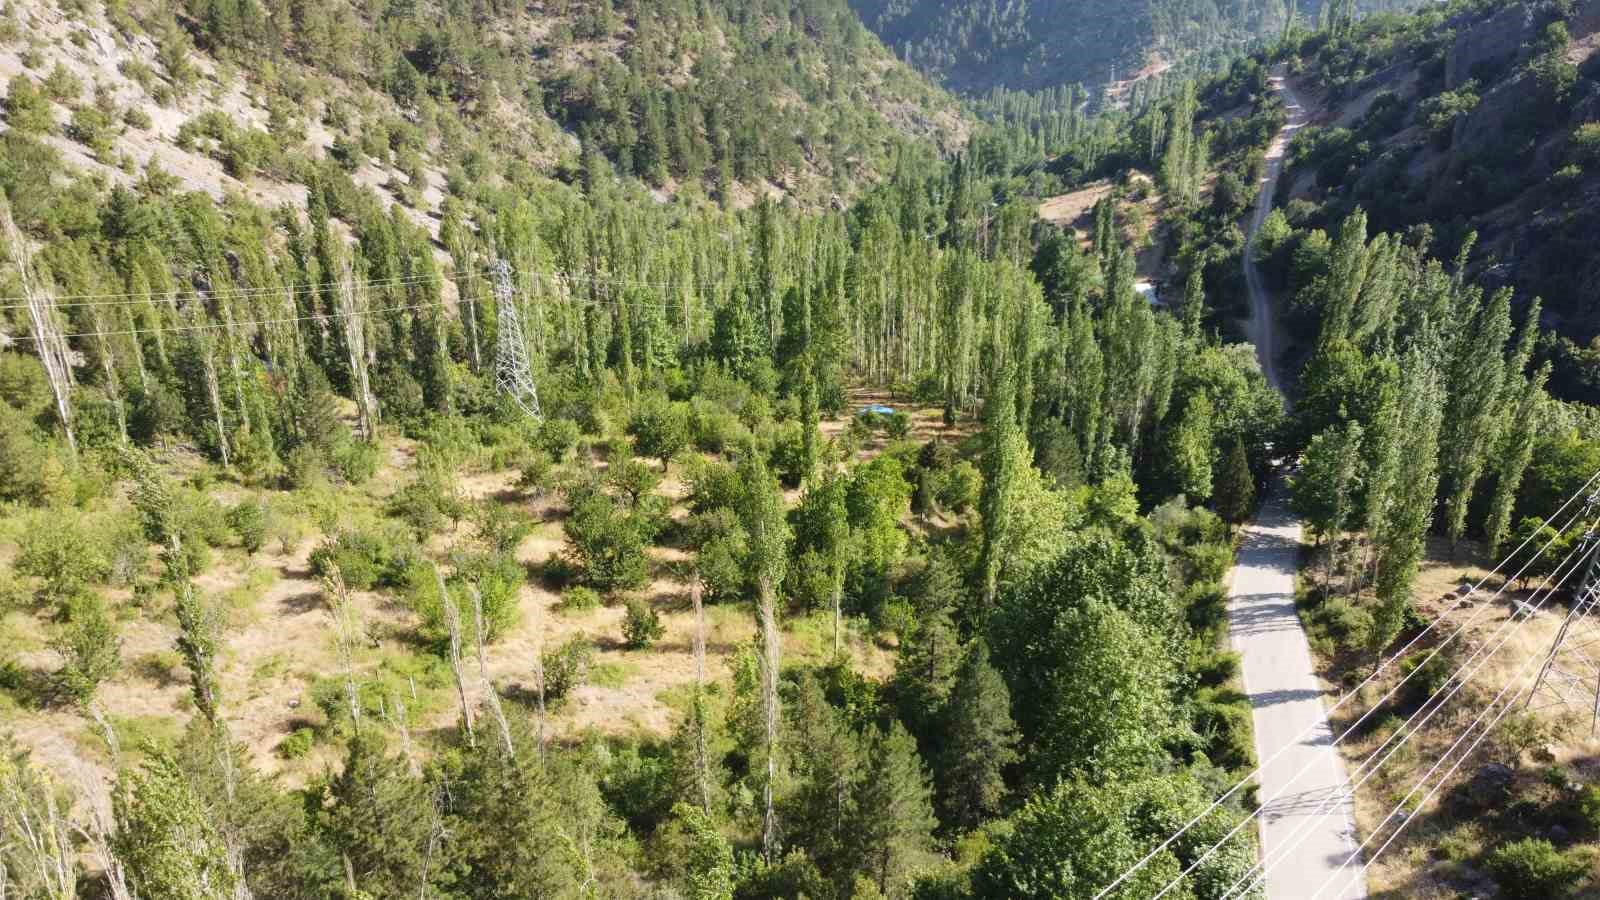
1570,673
512,375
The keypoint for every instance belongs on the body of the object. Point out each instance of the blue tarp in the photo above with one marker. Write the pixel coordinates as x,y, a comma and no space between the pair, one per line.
877,409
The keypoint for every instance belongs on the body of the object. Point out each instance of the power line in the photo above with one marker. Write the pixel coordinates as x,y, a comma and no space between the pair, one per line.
1580,610
1296,836
1456,682
127,298
1382,666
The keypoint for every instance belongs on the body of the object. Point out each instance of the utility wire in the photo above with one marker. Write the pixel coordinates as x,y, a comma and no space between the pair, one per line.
1378,704
134,297
1579,610
1519,618
1129,873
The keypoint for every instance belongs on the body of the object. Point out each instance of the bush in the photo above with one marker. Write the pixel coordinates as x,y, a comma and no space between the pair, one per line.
958,487
566,667
356,461
1533,869
366,560
660,429
249,521
89,647
642,626
578,599
297,743
27,111
557,437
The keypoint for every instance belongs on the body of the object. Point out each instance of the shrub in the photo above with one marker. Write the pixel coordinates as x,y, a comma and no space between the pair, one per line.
642,626
566,667
1588,808
356,461
898,426
557,437
62,86
297,743
579,599
91,128
1585,147
366,560
249,521
89,647
27,111
1533,869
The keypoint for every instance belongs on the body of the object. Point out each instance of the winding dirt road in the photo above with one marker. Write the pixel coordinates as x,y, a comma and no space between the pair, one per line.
1306,827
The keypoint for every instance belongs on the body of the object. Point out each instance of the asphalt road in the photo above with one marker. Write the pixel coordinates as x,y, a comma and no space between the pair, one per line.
1307,829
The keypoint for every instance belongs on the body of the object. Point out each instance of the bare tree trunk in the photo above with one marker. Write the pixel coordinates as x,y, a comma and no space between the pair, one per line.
113,385
208,365
452,618
702,768
352,324
490,693
347,629
47,338
769,703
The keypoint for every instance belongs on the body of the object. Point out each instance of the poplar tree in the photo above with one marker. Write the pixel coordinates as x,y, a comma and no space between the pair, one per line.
1000,462
1401,535
1323,491
1472,413
169,845
762,514
1187,451
1514,454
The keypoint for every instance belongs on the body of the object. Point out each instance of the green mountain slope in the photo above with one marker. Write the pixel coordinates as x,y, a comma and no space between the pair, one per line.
414,94
976,45
1472,133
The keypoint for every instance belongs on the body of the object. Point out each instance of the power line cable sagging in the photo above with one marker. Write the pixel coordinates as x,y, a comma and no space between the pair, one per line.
1584,517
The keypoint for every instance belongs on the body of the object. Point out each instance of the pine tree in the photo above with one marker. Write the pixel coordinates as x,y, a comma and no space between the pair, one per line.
980,742
1236,488
893,828
925,671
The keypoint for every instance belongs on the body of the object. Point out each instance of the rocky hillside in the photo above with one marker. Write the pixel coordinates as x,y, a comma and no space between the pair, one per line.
423,100
1475,129
976,45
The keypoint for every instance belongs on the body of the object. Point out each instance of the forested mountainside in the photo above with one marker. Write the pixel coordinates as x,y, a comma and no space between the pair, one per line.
419,99
469,532
1474,135
974,46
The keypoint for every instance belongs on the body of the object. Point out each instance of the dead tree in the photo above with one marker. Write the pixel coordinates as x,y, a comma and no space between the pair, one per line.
353,325
702,767
491,695
452,621
347,633
48,340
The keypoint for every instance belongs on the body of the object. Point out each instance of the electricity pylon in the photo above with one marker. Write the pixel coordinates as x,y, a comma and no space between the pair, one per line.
1570,673
512,375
